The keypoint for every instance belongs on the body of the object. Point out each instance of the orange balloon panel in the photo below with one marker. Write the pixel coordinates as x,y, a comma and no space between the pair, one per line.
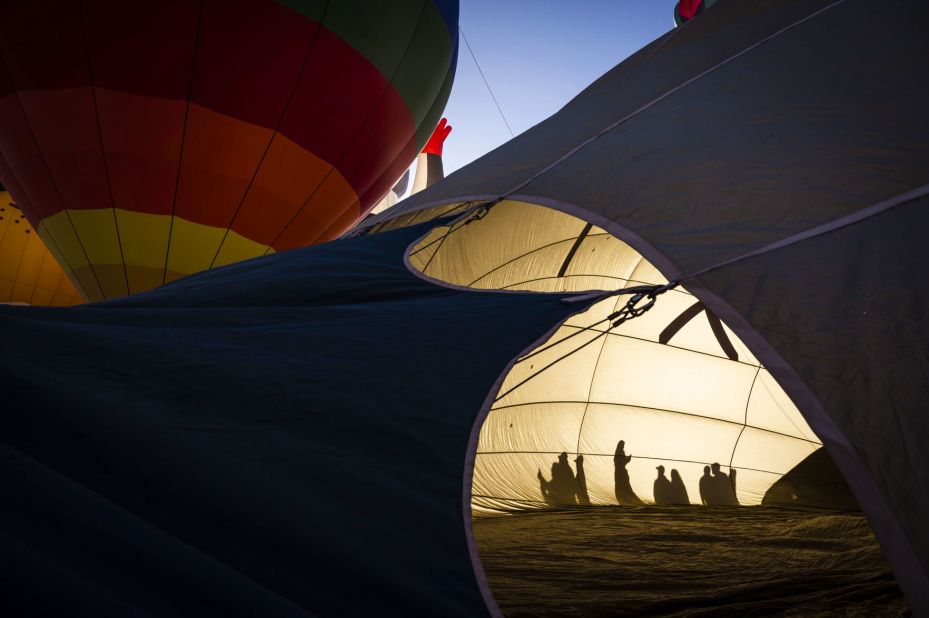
151,141
28,272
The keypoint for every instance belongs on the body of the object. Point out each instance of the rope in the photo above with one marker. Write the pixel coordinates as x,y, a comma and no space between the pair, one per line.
488,205
473,57
659,99
644,296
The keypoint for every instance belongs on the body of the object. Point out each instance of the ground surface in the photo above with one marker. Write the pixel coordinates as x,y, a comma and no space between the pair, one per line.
686,561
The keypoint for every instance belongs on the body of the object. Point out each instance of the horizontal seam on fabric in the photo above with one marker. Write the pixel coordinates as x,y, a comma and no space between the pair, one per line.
613,333
611,455
653,409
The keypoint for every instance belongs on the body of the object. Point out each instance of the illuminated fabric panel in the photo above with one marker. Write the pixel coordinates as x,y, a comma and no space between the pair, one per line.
679,393
28,271
280,123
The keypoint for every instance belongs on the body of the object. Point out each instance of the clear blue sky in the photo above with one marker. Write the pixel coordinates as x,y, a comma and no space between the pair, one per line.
537,55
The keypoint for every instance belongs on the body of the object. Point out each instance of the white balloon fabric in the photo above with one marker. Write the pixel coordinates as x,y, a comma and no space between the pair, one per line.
695,398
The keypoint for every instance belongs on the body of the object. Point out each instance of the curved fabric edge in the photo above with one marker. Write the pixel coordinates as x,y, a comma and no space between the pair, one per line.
471,455
471,449
893,540
463,288
405,209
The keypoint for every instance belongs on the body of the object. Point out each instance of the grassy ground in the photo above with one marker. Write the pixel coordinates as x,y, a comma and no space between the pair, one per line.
686,561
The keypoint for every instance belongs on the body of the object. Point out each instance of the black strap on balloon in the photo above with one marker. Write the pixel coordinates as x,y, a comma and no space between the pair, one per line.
715,325
642,299
574,248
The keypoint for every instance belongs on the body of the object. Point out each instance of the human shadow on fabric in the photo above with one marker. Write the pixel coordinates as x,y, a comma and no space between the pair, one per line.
718,488
621,485
661,489
583,497
668,492
678,492
562,489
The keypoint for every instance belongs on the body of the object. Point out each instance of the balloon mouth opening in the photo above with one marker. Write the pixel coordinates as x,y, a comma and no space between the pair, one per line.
674,388
669,417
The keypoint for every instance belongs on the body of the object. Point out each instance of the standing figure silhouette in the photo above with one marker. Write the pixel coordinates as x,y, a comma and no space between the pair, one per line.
622,487
661,489
582,496
723,487
706,487
678,490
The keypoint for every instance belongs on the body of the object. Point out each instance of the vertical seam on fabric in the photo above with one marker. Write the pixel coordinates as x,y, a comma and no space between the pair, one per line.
78,287
106,167
51,178
277,127
351,143
593,375
437,249
180,154
781,410
748,401
20,184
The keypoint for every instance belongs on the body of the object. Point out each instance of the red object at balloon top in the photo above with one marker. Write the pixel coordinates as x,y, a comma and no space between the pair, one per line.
437,141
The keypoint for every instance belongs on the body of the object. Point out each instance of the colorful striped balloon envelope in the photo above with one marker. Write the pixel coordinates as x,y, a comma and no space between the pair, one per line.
147,141
28,272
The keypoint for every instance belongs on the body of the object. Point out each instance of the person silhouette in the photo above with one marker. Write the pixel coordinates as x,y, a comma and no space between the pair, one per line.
544,488
706,487
678,490
723,487
733,496
621,485
662,489
562,489
582,496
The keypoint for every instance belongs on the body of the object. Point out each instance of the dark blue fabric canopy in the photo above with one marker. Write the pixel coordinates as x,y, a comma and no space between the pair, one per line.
282,436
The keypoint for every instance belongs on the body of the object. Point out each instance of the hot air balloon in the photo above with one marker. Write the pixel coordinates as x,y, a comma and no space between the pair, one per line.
685,10
313,432
28,272
147,143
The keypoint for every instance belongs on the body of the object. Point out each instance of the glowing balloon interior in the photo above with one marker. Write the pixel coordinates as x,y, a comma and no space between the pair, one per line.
675,386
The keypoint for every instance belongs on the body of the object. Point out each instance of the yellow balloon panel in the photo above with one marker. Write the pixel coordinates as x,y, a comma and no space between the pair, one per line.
29,273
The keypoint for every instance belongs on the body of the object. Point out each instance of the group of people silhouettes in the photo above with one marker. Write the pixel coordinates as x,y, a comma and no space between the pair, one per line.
565,488
718,488
669,491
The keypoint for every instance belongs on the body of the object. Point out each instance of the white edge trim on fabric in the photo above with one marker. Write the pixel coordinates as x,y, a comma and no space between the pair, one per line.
893,540
569,296
470,459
